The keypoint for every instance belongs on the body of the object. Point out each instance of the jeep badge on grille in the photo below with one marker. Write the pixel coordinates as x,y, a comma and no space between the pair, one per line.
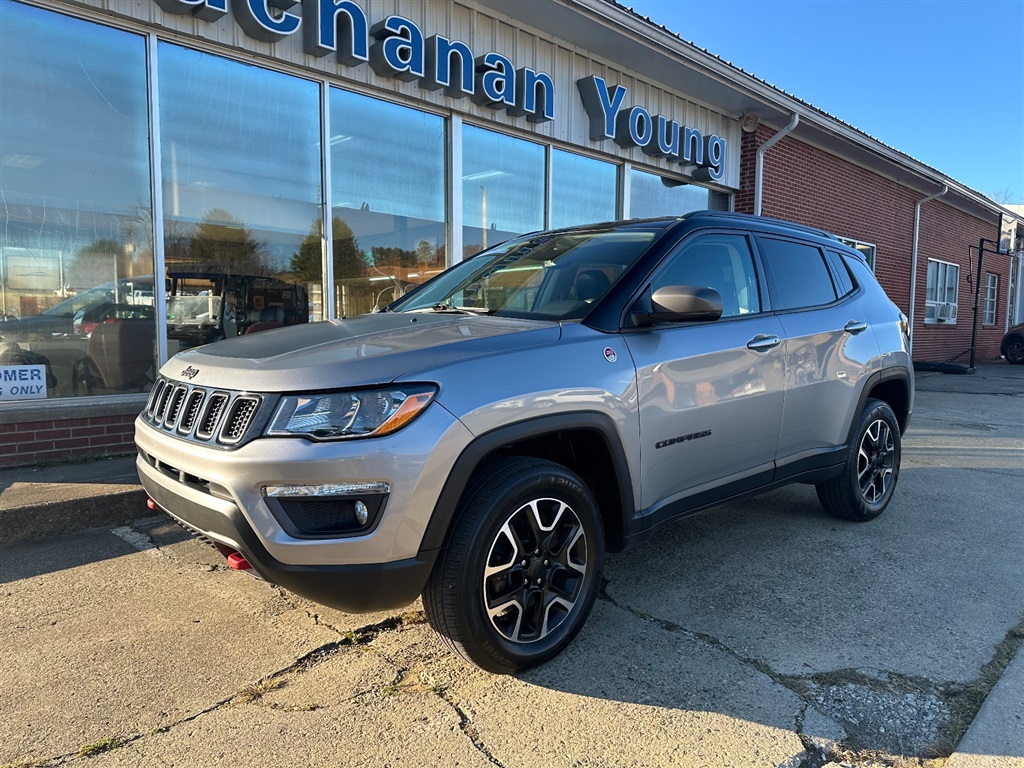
190,373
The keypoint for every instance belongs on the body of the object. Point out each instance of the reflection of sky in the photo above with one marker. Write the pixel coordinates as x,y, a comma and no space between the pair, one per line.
649,197
241,139
511,173
583,190
386,157
74,120
234,136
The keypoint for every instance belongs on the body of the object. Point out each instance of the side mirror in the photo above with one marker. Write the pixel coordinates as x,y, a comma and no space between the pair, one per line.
677,304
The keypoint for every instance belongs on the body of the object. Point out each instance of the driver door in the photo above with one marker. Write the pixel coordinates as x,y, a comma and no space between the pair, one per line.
711,393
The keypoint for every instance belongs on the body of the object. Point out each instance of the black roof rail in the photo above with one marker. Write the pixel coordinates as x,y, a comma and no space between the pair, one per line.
750,218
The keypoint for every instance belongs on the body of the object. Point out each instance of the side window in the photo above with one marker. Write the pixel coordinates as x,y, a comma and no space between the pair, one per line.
723,262
799,274
840,273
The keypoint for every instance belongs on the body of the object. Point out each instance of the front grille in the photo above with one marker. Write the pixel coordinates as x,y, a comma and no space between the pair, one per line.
217,417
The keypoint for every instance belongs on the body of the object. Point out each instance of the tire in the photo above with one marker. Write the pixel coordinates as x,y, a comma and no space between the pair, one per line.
492,609
863,489
1014,351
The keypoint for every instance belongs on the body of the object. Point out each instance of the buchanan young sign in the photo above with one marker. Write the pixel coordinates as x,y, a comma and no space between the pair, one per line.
396,47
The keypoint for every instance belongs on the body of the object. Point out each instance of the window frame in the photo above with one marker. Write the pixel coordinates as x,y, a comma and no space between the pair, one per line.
859,245
991,298
933,303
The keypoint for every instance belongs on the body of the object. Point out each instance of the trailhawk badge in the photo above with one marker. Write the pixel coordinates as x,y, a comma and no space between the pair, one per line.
609,355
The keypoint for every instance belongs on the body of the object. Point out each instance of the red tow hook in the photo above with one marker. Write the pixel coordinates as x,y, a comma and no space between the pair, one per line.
237,562
152,505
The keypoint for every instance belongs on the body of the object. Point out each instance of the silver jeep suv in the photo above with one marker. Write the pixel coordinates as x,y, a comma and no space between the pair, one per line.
485,439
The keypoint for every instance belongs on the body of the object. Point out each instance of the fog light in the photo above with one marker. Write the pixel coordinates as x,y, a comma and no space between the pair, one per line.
362,513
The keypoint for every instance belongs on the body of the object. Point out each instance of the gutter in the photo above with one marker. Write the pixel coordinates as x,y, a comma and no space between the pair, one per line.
759,162
913,257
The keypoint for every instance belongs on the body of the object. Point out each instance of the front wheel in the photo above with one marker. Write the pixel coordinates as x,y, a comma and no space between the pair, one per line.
864,487
520,569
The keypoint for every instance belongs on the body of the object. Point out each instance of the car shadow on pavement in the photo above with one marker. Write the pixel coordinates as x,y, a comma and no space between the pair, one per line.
762,609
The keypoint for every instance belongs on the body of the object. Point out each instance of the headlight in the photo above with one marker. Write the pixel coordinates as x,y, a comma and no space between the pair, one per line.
339,415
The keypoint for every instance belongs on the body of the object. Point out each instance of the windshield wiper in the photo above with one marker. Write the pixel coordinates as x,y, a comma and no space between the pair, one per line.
454,310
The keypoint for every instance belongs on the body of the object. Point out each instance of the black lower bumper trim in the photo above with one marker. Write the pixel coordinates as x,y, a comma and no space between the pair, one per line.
360,588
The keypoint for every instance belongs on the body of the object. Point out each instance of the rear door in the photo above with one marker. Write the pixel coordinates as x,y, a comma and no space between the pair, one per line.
828,348
711,393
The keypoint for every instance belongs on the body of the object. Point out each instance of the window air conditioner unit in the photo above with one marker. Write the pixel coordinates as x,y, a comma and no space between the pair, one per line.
945,312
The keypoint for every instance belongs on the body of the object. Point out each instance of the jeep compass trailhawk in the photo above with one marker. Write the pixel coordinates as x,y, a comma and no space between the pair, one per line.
485,439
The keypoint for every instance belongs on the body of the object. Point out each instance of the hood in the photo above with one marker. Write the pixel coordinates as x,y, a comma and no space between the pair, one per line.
361,351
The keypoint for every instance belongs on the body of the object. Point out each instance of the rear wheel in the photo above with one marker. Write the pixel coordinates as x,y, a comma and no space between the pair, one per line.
1015,350
520,570
864,487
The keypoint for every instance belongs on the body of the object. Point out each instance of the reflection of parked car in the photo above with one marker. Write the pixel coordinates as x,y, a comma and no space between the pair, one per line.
59,320
1012,345
87,318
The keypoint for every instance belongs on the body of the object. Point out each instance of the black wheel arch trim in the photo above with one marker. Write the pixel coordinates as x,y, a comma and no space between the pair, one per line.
474,455
899,374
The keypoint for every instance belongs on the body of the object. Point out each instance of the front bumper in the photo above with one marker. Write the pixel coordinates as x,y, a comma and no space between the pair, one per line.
219,493
358,588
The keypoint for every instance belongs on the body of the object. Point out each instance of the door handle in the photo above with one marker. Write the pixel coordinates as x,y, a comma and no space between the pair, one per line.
855,327
762,343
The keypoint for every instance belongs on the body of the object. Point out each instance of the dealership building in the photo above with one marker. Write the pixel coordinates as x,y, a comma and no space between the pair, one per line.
172,171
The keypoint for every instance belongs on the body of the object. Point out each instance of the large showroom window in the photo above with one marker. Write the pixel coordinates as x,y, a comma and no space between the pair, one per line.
76,252
941,292
240,150
651,195
502,188
583,190
388,200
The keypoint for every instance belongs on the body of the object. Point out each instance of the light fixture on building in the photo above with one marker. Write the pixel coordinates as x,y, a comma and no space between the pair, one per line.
749,122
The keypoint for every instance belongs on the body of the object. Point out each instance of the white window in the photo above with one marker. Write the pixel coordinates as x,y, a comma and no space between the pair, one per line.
867,249
940,298
991,294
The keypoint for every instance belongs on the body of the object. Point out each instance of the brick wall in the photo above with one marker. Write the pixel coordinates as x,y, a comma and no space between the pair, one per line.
35,436
810,186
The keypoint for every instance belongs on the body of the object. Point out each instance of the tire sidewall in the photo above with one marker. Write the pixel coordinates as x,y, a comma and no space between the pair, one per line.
550,482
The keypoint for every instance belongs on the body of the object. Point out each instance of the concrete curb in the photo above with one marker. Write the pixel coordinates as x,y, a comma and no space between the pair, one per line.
995,739
40,520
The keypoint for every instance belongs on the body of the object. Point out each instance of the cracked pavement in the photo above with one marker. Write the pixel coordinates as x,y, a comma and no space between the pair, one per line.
761,634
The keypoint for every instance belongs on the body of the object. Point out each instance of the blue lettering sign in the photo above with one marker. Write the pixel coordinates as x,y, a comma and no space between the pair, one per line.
601,107
255,19
207,10
495,81
398,52
634,128
440,51
528,84
693,147
336,25
666,138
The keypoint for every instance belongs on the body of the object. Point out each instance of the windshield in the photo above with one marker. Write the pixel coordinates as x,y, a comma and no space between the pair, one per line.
552,276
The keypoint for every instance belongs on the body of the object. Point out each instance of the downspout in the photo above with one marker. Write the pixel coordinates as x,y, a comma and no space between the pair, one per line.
759,161
913,258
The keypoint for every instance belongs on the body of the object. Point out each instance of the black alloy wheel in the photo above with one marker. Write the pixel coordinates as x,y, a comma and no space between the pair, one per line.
519,572
864,487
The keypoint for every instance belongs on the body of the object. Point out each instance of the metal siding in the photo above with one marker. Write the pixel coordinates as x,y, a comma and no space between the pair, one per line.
482,31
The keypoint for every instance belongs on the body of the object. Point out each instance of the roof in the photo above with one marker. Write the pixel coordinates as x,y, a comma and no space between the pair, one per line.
616,33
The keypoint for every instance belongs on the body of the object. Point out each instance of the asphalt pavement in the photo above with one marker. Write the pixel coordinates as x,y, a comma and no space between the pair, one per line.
764,633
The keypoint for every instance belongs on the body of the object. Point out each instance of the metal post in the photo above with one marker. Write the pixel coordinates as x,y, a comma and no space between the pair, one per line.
977,293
